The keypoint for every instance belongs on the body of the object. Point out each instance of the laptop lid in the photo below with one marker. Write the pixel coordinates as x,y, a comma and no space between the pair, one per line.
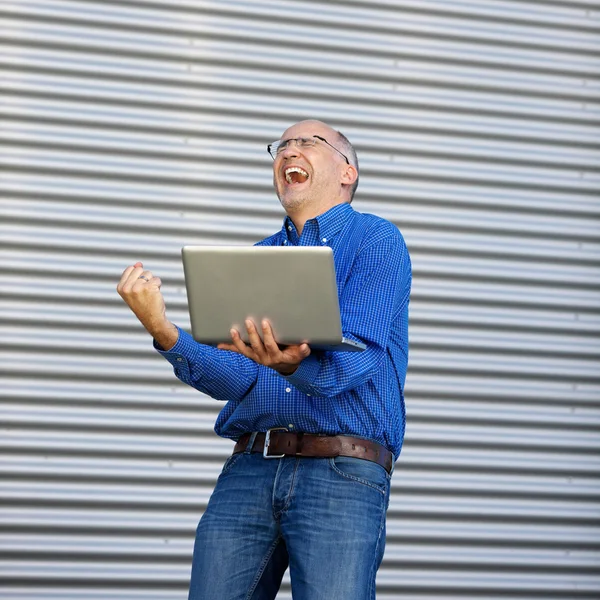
293,287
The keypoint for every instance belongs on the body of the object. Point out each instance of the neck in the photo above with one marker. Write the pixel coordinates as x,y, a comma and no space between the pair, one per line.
300,214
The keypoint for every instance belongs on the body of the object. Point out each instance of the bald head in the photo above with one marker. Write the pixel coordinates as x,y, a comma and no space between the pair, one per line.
333,137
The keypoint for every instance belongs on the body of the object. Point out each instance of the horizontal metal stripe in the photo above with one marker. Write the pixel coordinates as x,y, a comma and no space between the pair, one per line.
179,162
178,497
25,136
191,114
504,294
407,477
522,433
153,550
47,136
142,572
111,317
402,201
158,547
422,451
135,435
486,340
569,278
239,65
569,264
536,235
502,396
74,362
453,407
371,30
165,592
208,168
563,14
414,529
36,590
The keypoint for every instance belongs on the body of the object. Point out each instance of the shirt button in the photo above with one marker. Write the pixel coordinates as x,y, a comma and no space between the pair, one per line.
285,242
289,227
180,359
290,426
324,240
308,394
288,389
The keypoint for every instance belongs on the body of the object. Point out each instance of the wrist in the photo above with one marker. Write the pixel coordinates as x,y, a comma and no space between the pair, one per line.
165,333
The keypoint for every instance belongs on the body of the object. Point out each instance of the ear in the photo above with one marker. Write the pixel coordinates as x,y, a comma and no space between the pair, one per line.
349,175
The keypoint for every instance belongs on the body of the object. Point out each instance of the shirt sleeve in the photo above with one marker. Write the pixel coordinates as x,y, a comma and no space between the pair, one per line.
221,374
374,296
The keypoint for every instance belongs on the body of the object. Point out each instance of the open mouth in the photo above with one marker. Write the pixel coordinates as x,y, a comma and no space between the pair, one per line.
295,175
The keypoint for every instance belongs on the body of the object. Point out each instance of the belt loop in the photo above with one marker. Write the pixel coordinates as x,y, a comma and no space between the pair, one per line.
251,441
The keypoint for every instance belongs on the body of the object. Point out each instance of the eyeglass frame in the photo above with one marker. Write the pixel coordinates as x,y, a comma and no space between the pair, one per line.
322,139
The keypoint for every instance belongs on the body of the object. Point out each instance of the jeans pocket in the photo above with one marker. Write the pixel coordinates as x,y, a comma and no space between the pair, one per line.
362,471
231,460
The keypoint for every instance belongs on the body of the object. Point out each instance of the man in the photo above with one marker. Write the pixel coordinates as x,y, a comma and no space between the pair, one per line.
335,420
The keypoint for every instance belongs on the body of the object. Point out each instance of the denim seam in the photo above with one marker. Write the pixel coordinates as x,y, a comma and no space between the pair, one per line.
374,566
231,460
262,568
354,478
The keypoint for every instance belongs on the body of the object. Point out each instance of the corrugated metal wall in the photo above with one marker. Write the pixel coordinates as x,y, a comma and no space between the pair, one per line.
131,128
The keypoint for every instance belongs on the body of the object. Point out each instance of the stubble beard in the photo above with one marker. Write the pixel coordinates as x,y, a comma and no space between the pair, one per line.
293,201
313,196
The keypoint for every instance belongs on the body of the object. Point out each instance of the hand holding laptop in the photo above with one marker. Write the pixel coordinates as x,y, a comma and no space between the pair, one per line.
266,351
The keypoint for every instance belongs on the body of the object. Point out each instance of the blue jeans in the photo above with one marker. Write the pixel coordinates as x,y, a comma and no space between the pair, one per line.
324,517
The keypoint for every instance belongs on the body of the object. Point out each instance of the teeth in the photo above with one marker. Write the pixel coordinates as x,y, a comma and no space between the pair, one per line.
291,170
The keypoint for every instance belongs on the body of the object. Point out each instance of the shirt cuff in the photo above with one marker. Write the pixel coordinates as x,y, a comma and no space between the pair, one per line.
306,373
180,354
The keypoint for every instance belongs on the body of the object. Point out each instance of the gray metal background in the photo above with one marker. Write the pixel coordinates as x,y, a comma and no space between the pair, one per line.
132,128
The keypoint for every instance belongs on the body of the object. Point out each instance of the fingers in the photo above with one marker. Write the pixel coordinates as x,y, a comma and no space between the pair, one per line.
266,351
256,351
271,345
254,338
296,354
239,345
131,275
144,276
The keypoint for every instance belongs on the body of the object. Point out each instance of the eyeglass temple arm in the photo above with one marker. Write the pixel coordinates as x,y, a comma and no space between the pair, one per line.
331,146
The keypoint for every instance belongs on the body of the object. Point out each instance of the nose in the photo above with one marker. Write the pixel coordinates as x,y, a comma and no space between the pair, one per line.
291,149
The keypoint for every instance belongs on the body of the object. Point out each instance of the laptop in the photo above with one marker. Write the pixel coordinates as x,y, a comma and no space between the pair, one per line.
293,287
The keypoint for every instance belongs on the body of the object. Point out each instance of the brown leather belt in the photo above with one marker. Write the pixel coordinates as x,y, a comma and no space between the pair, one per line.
277,443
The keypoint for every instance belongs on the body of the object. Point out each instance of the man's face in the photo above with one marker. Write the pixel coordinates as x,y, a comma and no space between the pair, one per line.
308,176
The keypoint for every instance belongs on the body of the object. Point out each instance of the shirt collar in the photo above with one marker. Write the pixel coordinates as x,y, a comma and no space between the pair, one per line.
329,223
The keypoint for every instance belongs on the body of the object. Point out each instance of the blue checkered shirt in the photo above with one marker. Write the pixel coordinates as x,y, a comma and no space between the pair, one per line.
349,393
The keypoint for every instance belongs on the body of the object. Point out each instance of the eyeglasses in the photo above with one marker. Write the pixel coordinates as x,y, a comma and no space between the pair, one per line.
276,148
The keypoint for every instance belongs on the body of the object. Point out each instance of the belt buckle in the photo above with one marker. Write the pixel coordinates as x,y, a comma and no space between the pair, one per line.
268,440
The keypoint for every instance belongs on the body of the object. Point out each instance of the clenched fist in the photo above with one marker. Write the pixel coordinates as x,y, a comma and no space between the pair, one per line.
141,291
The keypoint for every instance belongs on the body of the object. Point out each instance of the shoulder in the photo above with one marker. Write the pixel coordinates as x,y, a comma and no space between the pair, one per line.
377,230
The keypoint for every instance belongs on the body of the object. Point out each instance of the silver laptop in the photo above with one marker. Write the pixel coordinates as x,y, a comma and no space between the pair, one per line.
294,288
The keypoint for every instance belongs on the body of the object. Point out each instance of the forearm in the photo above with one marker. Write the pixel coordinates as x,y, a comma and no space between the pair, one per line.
218,373
164,332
